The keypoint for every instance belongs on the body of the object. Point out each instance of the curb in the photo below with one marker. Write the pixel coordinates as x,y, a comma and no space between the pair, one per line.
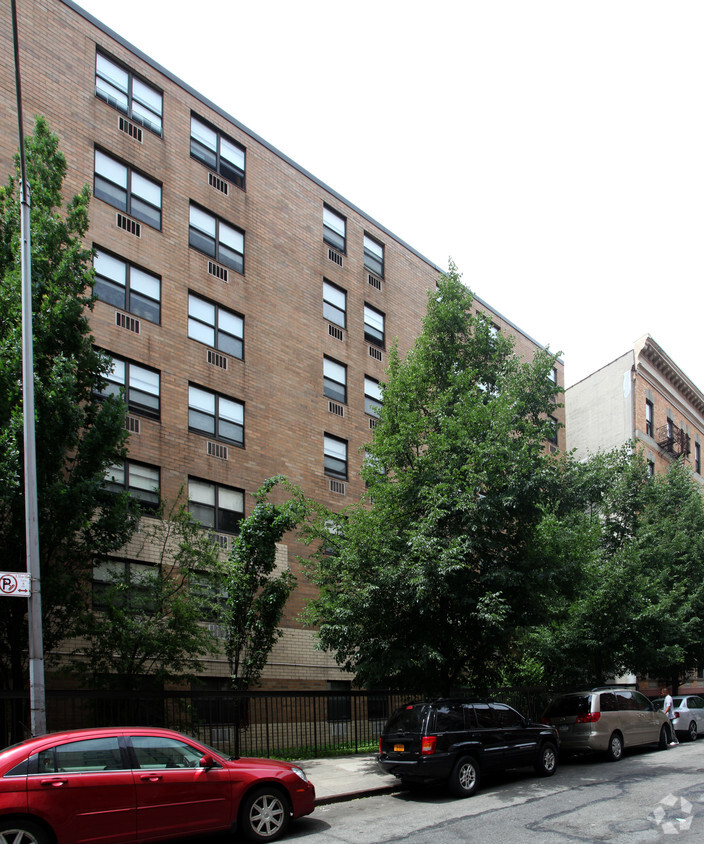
355,795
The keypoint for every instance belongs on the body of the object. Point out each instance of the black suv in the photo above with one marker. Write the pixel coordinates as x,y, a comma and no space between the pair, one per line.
457,740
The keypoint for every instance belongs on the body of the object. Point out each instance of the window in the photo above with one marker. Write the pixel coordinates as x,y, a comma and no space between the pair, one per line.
121,89
373,326
553,427
335,457
372,396
335,380
334,227
334,304
215,416
649,427
126,189
217,151
98,754
140,480
215,506
339,705
126,286
651,468
156,752
373,256
137,576
141,386
215,326
697,458
216,238
552,376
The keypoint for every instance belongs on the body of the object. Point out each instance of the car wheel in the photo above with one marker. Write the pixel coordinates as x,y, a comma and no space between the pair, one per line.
615,749
464,779
547,760
264,814
22,832
692,732
664,738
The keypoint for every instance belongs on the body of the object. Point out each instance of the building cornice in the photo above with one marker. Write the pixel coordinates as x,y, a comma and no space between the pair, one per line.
648,350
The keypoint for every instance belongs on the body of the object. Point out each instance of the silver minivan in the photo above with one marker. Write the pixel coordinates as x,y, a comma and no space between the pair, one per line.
606,720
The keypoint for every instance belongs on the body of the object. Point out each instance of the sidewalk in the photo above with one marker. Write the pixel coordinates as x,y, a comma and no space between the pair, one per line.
347,777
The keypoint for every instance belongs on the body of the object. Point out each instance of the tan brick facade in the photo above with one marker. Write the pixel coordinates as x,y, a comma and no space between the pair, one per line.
279,294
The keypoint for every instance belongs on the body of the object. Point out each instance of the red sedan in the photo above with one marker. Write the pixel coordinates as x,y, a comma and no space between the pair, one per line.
140,784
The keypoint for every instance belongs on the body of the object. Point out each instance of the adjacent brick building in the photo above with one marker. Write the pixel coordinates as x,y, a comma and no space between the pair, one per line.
249,307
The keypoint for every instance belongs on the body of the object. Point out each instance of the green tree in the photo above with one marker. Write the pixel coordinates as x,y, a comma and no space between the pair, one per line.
147,628
77,435
254,595
423,584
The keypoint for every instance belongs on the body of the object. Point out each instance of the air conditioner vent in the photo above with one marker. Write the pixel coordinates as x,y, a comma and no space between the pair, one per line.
218,183
128,322
335,332
373,423
217,450
132,425
218,271
335,257
337,486
374,281
130,129
337,409
128,224
375,353
216,359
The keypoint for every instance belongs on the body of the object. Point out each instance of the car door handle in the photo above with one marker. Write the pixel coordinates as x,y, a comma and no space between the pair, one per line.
54,783
151,777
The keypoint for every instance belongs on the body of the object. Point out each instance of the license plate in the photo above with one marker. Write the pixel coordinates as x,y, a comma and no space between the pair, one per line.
564,728
398,748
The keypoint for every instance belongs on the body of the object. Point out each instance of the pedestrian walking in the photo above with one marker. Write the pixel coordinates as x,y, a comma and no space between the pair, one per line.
668,708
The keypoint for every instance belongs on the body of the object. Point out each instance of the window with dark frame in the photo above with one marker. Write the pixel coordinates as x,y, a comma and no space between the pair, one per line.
649,425
334,229
112,571
215,326
697,458
215,506
215,416
120,88
552,436
126,286
335,380
334,304
374,331
218,152
140,480
373,256
651,468
335,457
141,386
372,396
127,190
216,238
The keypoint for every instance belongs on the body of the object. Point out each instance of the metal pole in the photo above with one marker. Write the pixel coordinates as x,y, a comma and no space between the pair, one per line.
37,694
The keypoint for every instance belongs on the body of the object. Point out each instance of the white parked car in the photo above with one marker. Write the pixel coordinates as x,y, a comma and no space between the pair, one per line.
689,710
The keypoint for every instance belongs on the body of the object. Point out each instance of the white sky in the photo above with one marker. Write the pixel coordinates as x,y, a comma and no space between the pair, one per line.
553,148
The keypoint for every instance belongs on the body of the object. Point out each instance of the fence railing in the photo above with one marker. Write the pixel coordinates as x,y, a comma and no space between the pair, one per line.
302,724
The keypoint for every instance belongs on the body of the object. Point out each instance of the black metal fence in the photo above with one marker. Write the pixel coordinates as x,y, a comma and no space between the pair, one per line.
301,724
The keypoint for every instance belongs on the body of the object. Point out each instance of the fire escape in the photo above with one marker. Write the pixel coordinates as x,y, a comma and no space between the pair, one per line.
673,440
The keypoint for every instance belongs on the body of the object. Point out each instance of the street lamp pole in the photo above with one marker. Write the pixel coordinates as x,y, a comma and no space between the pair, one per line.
34,615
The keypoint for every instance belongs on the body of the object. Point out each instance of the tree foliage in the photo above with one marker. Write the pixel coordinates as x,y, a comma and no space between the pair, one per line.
254,595
147,629
422,585
77,435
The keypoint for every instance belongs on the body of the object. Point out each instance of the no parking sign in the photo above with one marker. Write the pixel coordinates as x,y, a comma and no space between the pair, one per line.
14,584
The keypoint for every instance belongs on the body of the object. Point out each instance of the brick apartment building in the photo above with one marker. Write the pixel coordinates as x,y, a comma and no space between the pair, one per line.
248,307
644,397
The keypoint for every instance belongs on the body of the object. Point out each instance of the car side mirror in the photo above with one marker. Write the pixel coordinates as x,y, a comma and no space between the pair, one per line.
206,762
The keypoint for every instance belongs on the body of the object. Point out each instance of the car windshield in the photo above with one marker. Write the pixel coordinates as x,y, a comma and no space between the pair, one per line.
569,705
408,719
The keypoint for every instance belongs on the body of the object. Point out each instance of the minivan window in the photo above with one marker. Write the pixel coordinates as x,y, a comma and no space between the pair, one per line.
608,702
642,702
570,705
626,701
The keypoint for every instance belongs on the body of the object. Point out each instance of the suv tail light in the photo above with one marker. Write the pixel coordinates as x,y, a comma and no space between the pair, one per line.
427,747
546,721
589,718
379,744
